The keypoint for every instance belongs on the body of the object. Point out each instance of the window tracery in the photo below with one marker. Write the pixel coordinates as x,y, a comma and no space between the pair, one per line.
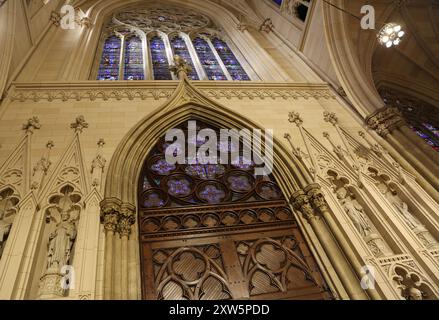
162,32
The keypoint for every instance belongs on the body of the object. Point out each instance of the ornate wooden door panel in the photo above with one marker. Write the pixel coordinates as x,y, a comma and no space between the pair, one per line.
271,262
219,232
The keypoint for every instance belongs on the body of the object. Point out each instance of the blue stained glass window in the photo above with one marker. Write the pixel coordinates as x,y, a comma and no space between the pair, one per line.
426,137
432,129
134,59
110,61
229,59
208,60
159,59
278,2
179,48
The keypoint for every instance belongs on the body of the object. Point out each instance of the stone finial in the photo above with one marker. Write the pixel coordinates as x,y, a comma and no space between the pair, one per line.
101,143
31,125
294,117
267,25
330,117
180,68
55,18
79,124
50,145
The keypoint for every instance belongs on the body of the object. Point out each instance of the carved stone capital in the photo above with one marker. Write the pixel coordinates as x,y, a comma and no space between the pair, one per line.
294,117
316,197
385,120
301,202
117,216
110,209
127,217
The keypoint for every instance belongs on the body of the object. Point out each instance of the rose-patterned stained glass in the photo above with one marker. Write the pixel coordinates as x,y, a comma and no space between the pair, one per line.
202,184
232,64
134,67
208,60
110,61
160,64
179,48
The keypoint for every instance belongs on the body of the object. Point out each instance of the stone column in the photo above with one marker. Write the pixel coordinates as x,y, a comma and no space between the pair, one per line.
126,220
109,216
118,220
303,202
387,123
318,200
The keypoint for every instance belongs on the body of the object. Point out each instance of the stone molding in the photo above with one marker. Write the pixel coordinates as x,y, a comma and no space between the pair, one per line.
130,90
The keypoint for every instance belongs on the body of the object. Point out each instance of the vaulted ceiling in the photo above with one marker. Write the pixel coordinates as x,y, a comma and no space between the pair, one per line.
412,66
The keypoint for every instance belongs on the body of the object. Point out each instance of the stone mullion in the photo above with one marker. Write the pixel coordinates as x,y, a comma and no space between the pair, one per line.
303,202
220,61
195,59
122,58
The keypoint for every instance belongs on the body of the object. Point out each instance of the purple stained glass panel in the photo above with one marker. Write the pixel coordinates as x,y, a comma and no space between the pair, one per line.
162,167
432,129
208,60
179,48
110,61
159,59
232,64
153,200
179,187
239,183
212,194
134,69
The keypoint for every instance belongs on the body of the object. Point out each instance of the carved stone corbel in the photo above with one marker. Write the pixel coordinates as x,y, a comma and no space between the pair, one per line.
385,120
301,202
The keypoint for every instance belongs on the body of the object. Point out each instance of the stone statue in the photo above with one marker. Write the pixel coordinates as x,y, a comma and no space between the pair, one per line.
403,209
61,243
355,211
414,294
5,228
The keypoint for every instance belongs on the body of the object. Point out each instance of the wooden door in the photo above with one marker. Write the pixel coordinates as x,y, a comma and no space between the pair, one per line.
217,232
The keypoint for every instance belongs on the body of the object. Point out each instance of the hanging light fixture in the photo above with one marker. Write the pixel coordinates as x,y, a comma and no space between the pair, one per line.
391,35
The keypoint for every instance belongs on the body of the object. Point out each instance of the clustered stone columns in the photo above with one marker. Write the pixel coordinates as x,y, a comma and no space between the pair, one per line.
390,125
312,204
120,281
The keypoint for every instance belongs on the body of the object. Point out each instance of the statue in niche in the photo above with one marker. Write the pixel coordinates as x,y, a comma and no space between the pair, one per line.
403,209
61,240
355,212
7,203
61,243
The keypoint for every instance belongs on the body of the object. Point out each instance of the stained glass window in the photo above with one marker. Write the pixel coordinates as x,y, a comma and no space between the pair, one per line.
208,60
160,64
134,69
179,48
278,2
426,136
229,59
422,117
110,61
164,184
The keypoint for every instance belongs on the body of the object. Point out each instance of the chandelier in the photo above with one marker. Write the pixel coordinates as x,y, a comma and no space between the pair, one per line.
391,35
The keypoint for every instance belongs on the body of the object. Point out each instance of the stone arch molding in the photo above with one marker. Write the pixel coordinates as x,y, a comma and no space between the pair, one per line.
118,209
